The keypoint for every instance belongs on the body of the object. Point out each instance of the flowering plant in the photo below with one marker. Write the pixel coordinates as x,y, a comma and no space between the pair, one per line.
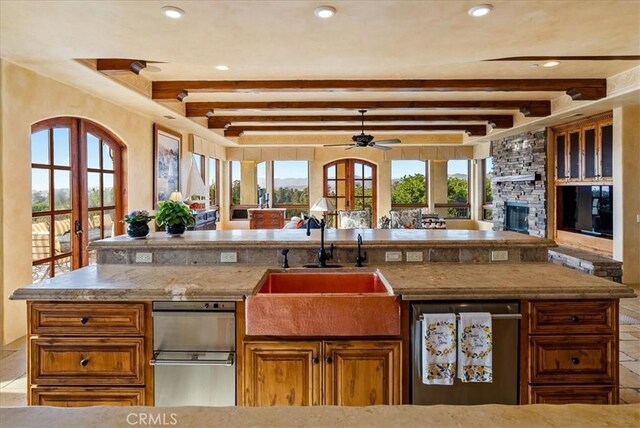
137,216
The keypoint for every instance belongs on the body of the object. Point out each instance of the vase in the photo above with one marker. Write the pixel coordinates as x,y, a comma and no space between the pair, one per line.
176,229
138,229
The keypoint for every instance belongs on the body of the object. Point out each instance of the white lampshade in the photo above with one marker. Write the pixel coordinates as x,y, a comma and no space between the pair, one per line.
323,204
175,196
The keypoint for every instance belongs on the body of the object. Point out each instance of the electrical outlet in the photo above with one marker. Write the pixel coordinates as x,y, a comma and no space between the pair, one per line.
144,257
393,256
499,256
414,256
637,218
230,257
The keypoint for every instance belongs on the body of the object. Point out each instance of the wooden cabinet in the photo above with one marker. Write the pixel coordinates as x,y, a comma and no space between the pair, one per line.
272,218
80,397
572,352
345,373
362,373
282,373
89,354
584,150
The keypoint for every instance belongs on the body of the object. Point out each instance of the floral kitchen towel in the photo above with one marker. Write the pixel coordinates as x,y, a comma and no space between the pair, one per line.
439,349
475,347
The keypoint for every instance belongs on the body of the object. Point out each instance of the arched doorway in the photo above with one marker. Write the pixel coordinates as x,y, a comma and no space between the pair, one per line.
351,185
77,192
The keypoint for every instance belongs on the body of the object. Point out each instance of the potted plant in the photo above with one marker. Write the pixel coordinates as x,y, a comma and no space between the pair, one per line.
137,223
175,215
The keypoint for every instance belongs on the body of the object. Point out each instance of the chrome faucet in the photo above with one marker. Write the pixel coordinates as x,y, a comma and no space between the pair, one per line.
360,258
323,255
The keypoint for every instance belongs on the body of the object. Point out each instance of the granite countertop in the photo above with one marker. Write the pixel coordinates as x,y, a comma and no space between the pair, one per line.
492,415
437,281
297,238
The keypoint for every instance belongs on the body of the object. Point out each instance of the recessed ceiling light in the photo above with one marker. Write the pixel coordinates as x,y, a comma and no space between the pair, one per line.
480,10
551,64
534,65
172,12
222,67
324,11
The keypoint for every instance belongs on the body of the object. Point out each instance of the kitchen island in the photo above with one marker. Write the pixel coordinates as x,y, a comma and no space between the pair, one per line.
564,313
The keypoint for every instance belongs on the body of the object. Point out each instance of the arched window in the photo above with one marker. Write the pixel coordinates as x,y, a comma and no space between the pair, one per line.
351,185
77,192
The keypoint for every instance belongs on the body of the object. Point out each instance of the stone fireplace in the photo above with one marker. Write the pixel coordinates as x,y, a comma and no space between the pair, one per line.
519,183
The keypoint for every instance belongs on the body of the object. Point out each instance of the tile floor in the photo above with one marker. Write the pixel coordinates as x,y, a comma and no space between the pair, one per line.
13,366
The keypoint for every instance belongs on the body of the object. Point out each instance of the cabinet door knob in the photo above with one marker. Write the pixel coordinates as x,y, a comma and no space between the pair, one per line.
84,320
84,362
316,360
329,360
575,361
575,318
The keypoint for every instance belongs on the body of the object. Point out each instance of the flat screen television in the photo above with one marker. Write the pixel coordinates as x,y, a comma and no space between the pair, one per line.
586,210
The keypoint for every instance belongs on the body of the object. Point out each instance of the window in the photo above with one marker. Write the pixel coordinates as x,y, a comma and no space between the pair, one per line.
67,214
457,205
213,181
291,186
487,199
408,184
261,183
235,173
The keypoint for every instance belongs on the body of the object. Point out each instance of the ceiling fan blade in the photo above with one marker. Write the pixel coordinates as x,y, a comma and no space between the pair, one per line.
385,148
334,145
391,141
353,146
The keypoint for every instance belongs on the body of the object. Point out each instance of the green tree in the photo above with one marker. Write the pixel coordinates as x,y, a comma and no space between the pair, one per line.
235,193
410,189
457,192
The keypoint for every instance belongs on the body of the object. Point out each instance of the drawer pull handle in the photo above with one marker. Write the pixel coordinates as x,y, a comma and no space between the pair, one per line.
84,320
575,361
316,360
84,362
575,318
329,360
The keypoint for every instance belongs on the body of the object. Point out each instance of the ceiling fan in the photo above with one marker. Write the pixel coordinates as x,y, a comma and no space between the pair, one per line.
366,140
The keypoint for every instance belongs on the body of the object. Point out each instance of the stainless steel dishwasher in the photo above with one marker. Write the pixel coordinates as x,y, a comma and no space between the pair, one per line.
506,332
194,353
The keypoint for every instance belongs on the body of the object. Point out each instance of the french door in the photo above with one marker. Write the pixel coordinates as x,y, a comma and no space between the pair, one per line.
76,193
351,185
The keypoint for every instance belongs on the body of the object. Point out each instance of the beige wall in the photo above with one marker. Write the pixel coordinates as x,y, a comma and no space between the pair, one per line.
28,98
626,195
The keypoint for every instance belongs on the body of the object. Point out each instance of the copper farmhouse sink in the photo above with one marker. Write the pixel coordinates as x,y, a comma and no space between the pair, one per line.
324,304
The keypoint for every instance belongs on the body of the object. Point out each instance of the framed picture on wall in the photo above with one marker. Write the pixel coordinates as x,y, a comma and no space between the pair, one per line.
166,163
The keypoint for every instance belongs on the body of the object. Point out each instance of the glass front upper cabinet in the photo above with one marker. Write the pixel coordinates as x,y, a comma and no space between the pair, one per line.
584,150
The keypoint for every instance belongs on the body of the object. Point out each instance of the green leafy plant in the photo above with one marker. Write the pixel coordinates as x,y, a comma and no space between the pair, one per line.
173,212
137,216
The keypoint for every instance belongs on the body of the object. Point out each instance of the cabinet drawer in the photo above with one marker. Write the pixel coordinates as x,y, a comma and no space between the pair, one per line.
567,394
81,397
572,359
560,317
87,361
87,319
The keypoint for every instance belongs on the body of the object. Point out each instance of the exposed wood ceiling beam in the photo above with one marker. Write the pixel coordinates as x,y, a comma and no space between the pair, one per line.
499,121
236,131
527,107
597,88
107,65
571,58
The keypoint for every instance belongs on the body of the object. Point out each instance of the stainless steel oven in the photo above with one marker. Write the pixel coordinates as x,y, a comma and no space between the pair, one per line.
194,353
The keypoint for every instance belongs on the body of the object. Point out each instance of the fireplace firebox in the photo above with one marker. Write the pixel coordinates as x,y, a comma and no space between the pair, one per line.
516,217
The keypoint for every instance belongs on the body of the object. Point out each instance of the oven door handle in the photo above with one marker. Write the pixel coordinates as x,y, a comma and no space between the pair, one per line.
190,362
